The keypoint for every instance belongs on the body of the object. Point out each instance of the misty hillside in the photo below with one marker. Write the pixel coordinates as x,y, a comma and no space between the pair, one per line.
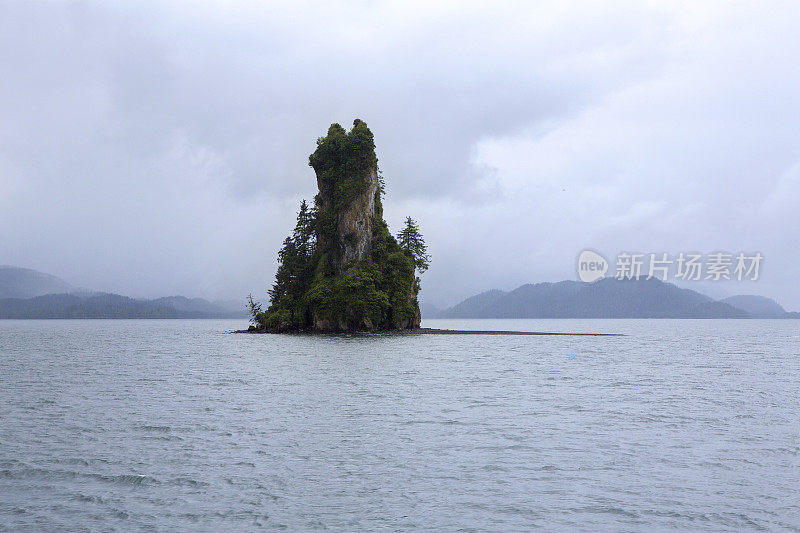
18,282
27,293
113,306
228,308
757,306
607,298
428,310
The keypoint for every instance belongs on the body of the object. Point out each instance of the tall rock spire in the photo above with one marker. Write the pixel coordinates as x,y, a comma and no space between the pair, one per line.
358,277
347,178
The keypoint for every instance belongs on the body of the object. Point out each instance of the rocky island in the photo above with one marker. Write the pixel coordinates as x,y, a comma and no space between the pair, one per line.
341,270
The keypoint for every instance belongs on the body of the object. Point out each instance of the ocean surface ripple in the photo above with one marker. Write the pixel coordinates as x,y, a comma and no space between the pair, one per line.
177,425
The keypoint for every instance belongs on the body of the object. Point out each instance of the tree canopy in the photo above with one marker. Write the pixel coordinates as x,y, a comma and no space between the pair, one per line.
410,239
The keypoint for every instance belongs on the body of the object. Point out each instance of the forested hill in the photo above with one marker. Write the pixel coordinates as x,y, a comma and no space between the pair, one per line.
16,282
609,298
103,305
27,293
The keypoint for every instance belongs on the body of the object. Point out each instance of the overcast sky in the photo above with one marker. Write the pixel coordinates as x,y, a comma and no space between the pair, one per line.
161,148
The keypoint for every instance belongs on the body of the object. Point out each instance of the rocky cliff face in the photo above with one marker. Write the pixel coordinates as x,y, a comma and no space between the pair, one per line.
353,221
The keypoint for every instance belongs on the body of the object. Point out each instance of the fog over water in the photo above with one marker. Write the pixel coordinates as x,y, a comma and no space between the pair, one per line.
161,148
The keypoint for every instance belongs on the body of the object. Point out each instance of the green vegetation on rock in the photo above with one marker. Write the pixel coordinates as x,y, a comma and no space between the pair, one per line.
341,269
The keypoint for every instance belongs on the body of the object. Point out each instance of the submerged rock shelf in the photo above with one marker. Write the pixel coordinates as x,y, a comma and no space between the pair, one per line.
433,331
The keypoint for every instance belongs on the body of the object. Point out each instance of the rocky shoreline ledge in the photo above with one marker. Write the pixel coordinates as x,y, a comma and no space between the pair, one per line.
427,331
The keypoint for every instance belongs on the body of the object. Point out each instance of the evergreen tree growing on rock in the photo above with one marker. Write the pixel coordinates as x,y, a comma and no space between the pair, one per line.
410,239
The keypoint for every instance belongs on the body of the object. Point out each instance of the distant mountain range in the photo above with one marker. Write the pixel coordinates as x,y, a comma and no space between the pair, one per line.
28,294
18,282
607,298
758,306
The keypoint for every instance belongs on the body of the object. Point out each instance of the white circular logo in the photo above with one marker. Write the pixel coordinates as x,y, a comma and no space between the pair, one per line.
591,266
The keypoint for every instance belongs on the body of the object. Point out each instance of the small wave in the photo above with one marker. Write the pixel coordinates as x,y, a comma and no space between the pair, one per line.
88,498
438,422
130,479
73,461
192,517
159,429
609,510
161,437
29,473
187,482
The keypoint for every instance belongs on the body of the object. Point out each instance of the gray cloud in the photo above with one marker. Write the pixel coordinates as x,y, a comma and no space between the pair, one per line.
161,148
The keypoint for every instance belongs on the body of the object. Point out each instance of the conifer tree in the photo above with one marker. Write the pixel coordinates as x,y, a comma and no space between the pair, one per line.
287,266
303,235
292,276
411,239
254,308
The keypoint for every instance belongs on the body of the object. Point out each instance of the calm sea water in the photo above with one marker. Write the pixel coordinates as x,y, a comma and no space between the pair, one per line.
177,425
